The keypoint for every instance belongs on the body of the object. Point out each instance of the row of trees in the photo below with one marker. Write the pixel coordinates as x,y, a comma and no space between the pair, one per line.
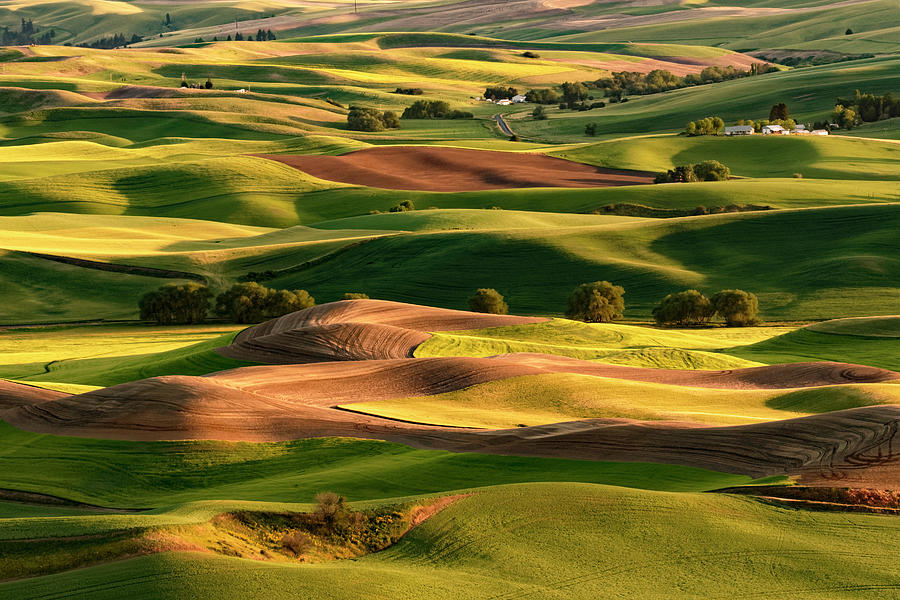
371,119
691,308
705,126
114,41
243,303
27,34
433,109
620,84
603,302
708,170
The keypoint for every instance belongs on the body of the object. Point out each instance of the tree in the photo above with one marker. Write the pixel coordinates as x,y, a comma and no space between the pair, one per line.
574,92
168,19
331,510
176,304
590,129
596,302
778,112
539,114
848,32
488,300
542,96
845,117
499,93
354,296
737,307
689,307
433,109
282,302
209,84
711,170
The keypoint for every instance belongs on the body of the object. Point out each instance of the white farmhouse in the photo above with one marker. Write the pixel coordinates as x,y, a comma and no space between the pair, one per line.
774,129
739,130
504,102
820,132
518,98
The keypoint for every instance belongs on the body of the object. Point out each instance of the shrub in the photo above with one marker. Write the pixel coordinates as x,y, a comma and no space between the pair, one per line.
488,300
590,129
371,119
530,54
331,510
176,304
711,170
514,138
597,302
354,296
689,307
409,91
404,206
737,307
297,542
539,114
251,302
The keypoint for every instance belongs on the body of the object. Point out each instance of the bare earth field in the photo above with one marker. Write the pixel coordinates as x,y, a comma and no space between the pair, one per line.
438,169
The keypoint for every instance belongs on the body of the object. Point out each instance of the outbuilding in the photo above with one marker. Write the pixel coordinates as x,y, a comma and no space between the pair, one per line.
773,129
739,130
518,98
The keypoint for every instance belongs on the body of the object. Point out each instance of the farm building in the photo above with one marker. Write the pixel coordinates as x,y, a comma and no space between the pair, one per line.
774,129
504,102
820,132
518,98
739,130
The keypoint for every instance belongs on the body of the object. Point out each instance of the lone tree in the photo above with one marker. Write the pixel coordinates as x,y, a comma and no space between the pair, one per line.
597,302
488,300
251,302
779,112
689,307
539,114
176,304
848,32
331,510
737,307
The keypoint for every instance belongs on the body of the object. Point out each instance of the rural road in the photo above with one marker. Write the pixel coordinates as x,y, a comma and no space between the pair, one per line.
503,125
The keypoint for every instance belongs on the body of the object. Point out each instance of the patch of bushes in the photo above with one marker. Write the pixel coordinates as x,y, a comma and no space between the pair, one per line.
530,54
708,170
409,91
404,206
691,308
596,302
252,303
539,113
433,109
354,296
488,300
371,119
176,304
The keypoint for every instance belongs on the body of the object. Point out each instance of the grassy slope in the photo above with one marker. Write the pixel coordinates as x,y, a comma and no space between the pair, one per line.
516,541
754,156
809,344
155,474
843,262
554,398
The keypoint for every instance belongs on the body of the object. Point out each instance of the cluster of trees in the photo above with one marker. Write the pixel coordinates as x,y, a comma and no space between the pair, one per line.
433,109
530,54
539,113
620,84
500,92
371,119
705,126
804,59
262,35
196,86
243,303
690,307
865,108
542,96
409,91
708,170
27,34
757,126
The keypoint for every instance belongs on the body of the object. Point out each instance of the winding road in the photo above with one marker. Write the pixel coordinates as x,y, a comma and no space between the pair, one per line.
504,127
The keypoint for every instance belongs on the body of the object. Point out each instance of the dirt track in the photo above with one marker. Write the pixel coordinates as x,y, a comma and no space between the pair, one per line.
440,169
